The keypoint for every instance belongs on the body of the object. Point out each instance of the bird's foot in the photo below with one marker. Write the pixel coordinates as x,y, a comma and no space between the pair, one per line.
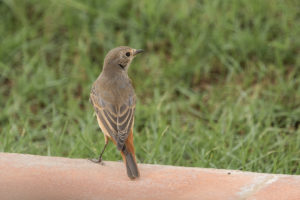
98,161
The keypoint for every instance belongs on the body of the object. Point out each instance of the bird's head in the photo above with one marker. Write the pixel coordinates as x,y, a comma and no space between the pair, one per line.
120,58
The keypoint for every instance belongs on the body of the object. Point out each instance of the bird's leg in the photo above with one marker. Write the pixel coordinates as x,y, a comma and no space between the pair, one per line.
99,160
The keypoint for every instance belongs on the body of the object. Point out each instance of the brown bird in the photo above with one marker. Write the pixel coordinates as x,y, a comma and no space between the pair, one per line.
113,99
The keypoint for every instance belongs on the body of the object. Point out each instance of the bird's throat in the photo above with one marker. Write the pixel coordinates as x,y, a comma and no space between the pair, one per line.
122,66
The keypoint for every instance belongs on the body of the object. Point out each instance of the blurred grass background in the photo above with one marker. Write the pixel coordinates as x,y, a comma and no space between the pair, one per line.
218,86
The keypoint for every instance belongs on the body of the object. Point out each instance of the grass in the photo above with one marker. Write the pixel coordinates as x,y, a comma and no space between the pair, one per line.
218,86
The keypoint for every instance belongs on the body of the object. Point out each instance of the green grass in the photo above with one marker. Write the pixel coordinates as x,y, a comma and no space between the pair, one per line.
218,86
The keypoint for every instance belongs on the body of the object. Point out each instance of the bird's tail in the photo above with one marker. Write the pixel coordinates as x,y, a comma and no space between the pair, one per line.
129,158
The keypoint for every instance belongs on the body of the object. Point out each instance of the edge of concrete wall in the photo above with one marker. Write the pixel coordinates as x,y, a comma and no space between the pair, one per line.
41,177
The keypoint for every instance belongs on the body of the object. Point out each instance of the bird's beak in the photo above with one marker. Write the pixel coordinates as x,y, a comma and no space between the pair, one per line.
137,51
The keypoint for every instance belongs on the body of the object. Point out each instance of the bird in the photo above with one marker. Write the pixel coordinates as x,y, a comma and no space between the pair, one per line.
113,99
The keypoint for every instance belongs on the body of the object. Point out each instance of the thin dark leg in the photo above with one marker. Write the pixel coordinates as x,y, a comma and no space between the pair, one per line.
99,160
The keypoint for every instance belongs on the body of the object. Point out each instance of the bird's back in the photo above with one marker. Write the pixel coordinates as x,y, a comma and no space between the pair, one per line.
115,90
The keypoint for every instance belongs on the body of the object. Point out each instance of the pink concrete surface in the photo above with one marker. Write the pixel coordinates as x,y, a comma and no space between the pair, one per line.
40,177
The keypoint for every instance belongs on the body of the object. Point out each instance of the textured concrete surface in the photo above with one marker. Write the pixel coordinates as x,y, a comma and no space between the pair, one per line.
40,177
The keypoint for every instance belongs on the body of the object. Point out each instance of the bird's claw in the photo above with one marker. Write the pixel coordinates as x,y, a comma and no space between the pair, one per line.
98,161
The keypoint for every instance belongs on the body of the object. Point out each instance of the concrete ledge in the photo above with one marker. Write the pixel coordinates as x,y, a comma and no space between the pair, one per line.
40,177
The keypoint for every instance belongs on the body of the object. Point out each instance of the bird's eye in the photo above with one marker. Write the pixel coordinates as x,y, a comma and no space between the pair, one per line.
128,54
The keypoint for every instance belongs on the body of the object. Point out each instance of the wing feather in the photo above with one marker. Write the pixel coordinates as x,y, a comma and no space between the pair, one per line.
117,119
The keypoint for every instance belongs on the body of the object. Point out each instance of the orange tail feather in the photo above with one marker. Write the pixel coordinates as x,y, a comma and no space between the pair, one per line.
129,158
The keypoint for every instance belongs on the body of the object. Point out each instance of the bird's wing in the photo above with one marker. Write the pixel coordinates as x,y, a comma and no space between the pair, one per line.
117,119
